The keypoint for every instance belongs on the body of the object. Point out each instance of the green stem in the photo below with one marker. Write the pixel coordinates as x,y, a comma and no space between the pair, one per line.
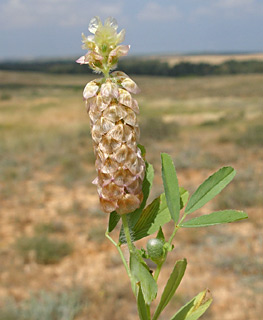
159,266
127,232
158,269
148,308
176,228
106,74
120,252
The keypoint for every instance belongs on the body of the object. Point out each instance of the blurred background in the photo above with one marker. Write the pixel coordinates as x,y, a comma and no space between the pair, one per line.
199,65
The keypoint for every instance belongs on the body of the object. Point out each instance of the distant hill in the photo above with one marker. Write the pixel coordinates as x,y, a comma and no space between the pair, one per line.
211,58
155,65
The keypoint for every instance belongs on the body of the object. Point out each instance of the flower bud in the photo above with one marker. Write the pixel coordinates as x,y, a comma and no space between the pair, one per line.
155,250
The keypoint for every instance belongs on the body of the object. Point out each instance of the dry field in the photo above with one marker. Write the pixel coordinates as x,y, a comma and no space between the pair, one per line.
208,58
54,260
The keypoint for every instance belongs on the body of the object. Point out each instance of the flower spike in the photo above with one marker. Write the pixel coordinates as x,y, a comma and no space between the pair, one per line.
113,117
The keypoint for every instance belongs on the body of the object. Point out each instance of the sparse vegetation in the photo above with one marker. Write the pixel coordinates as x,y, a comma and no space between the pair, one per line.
252,137
140,66
43,249
96,234
46,306
52,227
47,165
157,130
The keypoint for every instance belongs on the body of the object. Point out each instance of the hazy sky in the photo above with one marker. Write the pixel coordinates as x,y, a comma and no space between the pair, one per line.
52,28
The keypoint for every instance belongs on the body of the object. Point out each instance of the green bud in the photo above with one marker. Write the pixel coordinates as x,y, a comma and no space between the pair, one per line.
104,48
155,250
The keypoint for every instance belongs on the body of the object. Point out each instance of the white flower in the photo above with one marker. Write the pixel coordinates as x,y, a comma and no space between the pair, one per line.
94,24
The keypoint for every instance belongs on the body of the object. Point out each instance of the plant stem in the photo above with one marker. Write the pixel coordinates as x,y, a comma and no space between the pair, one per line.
148,307
127,232
158,269
176,228
159,266
120,252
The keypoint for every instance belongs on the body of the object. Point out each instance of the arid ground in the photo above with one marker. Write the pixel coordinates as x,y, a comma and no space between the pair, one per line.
53,253
207,58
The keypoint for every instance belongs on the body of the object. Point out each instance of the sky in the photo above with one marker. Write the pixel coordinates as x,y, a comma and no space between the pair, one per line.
52,28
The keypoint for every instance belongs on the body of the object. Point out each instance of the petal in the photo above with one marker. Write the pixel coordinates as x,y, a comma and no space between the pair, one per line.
125,98
81,60
103,102
108,145
106,89
90,90
123,177
88,42
132,143
128,133
96,132
90,104
115,91
112,191
110,166
131,117
104,178
135,187
94,24
114,113
116,133
121,154
135,106
130,85
91,56
108,205
111,22
119,74
119,51
94,112
106,125
128,203
90,38
121,36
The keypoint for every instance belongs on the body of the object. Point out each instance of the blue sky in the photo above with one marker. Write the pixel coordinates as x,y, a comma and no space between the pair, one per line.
52,28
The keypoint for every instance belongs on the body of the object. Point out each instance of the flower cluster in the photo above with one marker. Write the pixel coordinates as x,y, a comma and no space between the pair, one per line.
104,49
113,117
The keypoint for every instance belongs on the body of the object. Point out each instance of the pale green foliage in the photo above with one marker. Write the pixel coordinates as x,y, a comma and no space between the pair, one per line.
45,250
45,306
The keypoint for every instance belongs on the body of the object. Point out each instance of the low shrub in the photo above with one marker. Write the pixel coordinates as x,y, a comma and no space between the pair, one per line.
44,250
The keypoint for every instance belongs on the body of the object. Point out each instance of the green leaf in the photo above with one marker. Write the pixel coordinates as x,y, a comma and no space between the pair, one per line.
195,308
162,215
134,216
160,235
171,286
145,221
217,217
184,195
113,220
143,150
141,273
210,188
146,187
141,306
171,187
154,216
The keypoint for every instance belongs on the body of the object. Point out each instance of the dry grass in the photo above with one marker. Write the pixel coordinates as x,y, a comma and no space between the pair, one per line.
46,169
206,58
